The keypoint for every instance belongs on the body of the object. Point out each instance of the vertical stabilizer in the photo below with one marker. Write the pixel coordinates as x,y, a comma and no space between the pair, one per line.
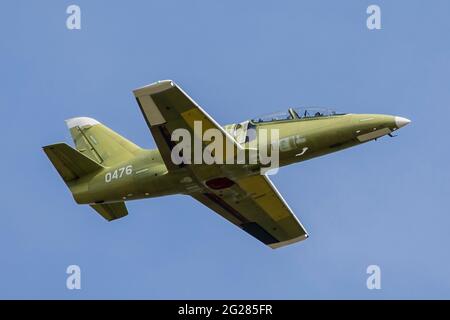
99,143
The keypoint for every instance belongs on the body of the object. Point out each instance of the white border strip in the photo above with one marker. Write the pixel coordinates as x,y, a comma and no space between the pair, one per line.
81,122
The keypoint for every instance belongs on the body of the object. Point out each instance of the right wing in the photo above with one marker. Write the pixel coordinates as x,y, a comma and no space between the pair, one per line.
166,108
255,205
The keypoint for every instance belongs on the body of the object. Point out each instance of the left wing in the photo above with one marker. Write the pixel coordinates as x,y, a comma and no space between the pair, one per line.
256,206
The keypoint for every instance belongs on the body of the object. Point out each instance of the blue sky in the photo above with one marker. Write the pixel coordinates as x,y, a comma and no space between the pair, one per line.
383,203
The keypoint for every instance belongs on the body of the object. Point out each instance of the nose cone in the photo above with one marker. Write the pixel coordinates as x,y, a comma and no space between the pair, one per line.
401,122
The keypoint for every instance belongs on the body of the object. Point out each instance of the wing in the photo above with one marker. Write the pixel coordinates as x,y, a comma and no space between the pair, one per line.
255,205
166,108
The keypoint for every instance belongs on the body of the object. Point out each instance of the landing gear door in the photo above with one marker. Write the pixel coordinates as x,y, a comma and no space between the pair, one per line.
240,132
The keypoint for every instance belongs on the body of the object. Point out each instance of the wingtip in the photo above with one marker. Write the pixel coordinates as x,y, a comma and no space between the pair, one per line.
154,87
289,242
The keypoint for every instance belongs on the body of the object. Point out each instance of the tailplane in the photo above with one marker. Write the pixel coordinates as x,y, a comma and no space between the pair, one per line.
111,211
70,163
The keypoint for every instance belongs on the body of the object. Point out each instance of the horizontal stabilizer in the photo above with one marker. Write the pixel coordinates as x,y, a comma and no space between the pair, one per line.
111,211
70,163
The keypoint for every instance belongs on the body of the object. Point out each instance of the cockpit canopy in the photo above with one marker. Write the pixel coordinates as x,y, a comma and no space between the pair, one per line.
297,113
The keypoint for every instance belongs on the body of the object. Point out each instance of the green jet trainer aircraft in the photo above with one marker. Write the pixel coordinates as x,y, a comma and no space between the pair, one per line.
106,169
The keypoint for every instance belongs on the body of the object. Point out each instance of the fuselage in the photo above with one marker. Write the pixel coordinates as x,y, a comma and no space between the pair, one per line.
300,139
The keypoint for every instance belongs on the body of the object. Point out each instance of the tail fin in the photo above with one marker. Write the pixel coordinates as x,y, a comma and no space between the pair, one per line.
70,163
99,143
